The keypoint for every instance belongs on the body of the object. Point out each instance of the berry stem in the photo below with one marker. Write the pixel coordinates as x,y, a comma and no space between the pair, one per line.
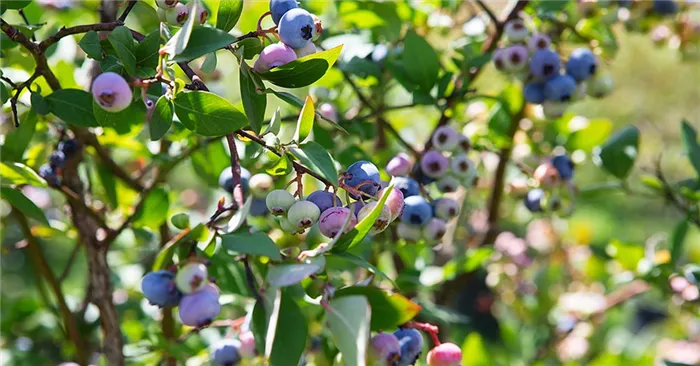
431,329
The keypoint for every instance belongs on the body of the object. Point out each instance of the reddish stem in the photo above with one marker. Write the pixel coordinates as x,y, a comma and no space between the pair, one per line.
431,329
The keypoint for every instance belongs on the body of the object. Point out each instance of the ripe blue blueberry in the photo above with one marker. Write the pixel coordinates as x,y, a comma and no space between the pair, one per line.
665,7
545,64
199,308
226,352
416,211
49,174
279,7
363,176
296,28
399,165
111,92
384,349
57,159
563,164
69,147
408,232
560,89
539,42
434,164
258,208
408,186
582,64
411,342
499,59
420,176
279,201
324,200
445,208
445,138
192,277
533,200
226,179
159,289
516,58
534,92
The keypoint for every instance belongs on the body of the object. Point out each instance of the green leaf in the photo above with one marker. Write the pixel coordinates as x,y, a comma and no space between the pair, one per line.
229,13
39,104
209,64
251,243
181,221
90,43
304,71
362,263
306,120
287,332
474,351
4,93
316,158
161,119
17,173
283,166
181,39
690,144
17,199
420,61
73,106
499,120
388,310
669,363
204,40
356,235
165,255
590,136
15,4
238,219
617,155
17,139
147,51
133,114
108,184
275,123
349,322
123,42
209,161
296,102
229,274
208,114
251,47
154,210
254,103
678,239
290,274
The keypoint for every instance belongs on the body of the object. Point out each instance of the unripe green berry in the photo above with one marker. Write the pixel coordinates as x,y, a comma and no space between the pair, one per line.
303,214
279,201
177,15
166,4
260,185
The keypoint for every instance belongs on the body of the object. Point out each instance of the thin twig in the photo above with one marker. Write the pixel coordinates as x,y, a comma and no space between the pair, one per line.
71,260
488,12
126,12
26,21
15,97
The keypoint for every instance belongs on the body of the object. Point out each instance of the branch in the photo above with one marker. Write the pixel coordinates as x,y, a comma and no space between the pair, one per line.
126,12
71,260
15,97
235,171
42,265
488,12
74,199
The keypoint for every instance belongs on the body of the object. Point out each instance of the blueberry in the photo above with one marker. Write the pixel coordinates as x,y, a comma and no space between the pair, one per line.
274,55
499,59
279,201
363,176
332,220
407,186
446,354
600,85
303,214
328,111
226,352
248,347
192,277
260,185
552,109
534,93
445,208
460,164
445,138
49,174
226,179
296,28
665,7
159,289
434,164
111,92
384,349
199,308
177,15
539,42
563,164
545,64
57,159
448,184
420,176
515,30
324,200
516,58
533,200
279,7
258,208
394,202
411,342
166,4
69,147
355,207
582,64
381,223
416,211
560,89
434,230
408,232
399,165
202,15
546,175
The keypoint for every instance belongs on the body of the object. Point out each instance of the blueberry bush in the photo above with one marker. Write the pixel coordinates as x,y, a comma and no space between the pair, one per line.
230,182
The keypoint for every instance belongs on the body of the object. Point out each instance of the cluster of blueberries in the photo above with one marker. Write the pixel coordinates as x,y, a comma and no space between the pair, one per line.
297,30
532,58
403,347
51,170
448,166
555,171
231,351
189,288
174,12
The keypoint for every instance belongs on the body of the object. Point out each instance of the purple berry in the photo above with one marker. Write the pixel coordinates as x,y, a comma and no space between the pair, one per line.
534,93
159,289
394,202
582,64
545,64
296,28
324,200
539,42
111,92
416,211
248,347
279,7
274,55
516,58
420,176
411,342
279,201
199,308
303,214
445,138
464,144
332,220
499,59
381,223
445,208
434,230
560,89
516,30
384,349
57,159
192,277
363,176
434,164
399,165
446,354
226,352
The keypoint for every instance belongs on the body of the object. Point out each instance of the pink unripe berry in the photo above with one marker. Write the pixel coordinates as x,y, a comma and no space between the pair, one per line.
546,174
328,111
274,55
247,344
177,15
399,165
111,92
382,221
446,354
309,49
394,202
332,220
318,28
